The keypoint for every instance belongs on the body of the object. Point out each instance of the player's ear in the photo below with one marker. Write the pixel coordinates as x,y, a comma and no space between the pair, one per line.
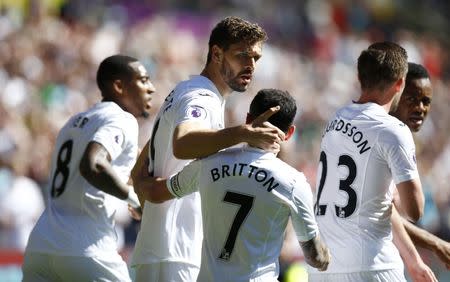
400,84
217,54
289,133
118,86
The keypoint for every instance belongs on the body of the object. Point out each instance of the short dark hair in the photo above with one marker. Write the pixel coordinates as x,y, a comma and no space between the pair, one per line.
114,67
416,71
381,64
267,98
233,30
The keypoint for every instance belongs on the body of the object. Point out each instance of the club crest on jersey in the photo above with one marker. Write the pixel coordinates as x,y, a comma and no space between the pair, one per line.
197,112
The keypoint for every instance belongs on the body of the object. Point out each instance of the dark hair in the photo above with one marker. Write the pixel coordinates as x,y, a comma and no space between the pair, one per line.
416,71
381,64
114,67
267,98
233,30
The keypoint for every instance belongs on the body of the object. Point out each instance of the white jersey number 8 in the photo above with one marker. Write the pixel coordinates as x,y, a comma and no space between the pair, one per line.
62,168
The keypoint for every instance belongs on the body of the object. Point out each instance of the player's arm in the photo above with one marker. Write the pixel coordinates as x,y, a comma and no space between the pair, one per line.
411,199
158,190
425,239
305,225
417,269
139,173
95,167
316,253
154,190
191,140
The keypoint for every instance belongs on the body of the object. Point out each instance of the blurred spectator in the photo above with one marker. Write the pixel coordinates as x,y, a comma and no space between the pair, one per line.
21,201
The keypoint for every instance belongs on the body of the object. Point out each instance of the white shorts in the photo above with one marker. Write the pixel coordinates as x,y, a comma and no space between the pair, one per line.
166,271
39,267
388,275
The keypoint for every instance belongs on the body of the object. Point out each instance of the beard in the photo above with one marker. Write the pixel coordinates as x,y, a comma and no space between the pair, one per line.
230,78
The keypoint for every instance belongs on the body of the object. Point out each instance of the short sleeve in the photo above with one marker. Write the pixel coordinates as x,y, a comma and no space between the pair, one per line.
199,106
400,154
302,212
116,134
185,181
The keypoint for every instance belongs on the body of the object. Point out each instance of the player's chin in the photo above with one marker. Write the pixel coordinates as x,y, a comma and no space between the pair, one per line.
240,87
145,114
415,127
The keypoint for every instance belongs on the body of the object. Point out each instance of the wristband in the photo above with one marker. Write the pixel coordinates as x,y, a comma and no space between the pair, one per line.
133,199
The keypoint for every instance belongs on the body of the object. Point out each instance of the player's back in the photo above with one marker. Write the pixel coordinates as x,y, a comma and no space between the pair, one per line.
353,194
74,205
247,196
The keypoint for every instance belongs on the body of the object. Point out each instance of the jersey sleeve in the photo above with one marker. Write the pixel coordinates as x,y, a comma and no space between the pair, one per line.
115,134
302,212
399,150
185,181
199,106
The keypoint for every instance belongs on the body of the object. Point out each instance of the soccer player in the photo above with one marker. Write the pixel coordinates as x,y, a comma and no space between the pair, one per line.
247,197
363,149
190,124
74,239
413,108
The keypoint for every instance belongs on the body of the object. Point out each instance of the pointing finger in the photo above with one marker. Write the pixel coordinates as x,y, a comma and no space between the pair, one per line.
266,115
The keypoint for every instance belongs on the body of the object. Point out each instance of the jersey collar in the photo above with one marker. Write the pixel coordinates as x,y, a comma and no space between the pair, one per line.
205,81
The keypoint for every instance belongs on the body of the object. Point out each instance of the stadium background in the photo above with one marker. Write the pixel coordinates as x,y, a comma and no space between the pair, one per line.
50,50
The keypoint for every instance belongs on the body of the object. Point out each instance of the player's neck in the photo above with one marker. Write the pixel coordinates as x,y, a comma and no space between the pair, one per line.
383,99
213,75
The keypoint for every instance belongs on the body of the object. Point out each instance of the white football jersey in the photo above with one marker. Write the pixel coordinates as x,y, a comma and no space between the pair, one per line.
363,149
79,219
247,196
172,231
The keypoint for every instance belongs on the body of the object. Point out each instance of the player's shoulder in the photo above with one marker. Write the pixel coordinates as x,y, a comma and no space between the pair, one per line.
287,175
394,128
231,153
111,114
196,87
394,135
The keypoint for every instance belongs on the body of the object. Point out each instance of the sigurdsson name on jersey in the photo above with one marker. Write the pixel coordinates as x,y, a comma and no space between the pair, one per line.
238,169
350,131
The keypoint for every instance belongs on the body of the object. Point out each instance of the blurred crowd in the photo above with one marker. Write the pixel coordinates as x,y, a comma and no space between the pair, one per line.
50,51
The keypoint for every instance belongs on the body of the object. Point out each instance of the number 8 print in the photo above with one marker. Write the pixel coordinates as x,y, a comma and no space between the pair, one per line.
62,167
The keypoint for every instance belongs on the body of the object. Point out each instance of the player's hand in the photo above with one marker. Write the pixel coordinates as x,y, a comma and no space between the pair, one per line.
323,258
262,134
136,213
442,250
316,253
421,273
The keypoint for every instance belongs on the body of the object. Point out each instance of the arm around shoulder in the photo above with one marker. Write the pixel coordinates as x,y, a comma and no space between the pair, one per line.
192,140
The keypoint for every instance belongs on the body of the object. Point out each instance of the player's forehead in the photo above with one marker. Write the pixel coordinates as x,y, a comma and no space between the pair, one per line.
420,87
254,49
138,69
